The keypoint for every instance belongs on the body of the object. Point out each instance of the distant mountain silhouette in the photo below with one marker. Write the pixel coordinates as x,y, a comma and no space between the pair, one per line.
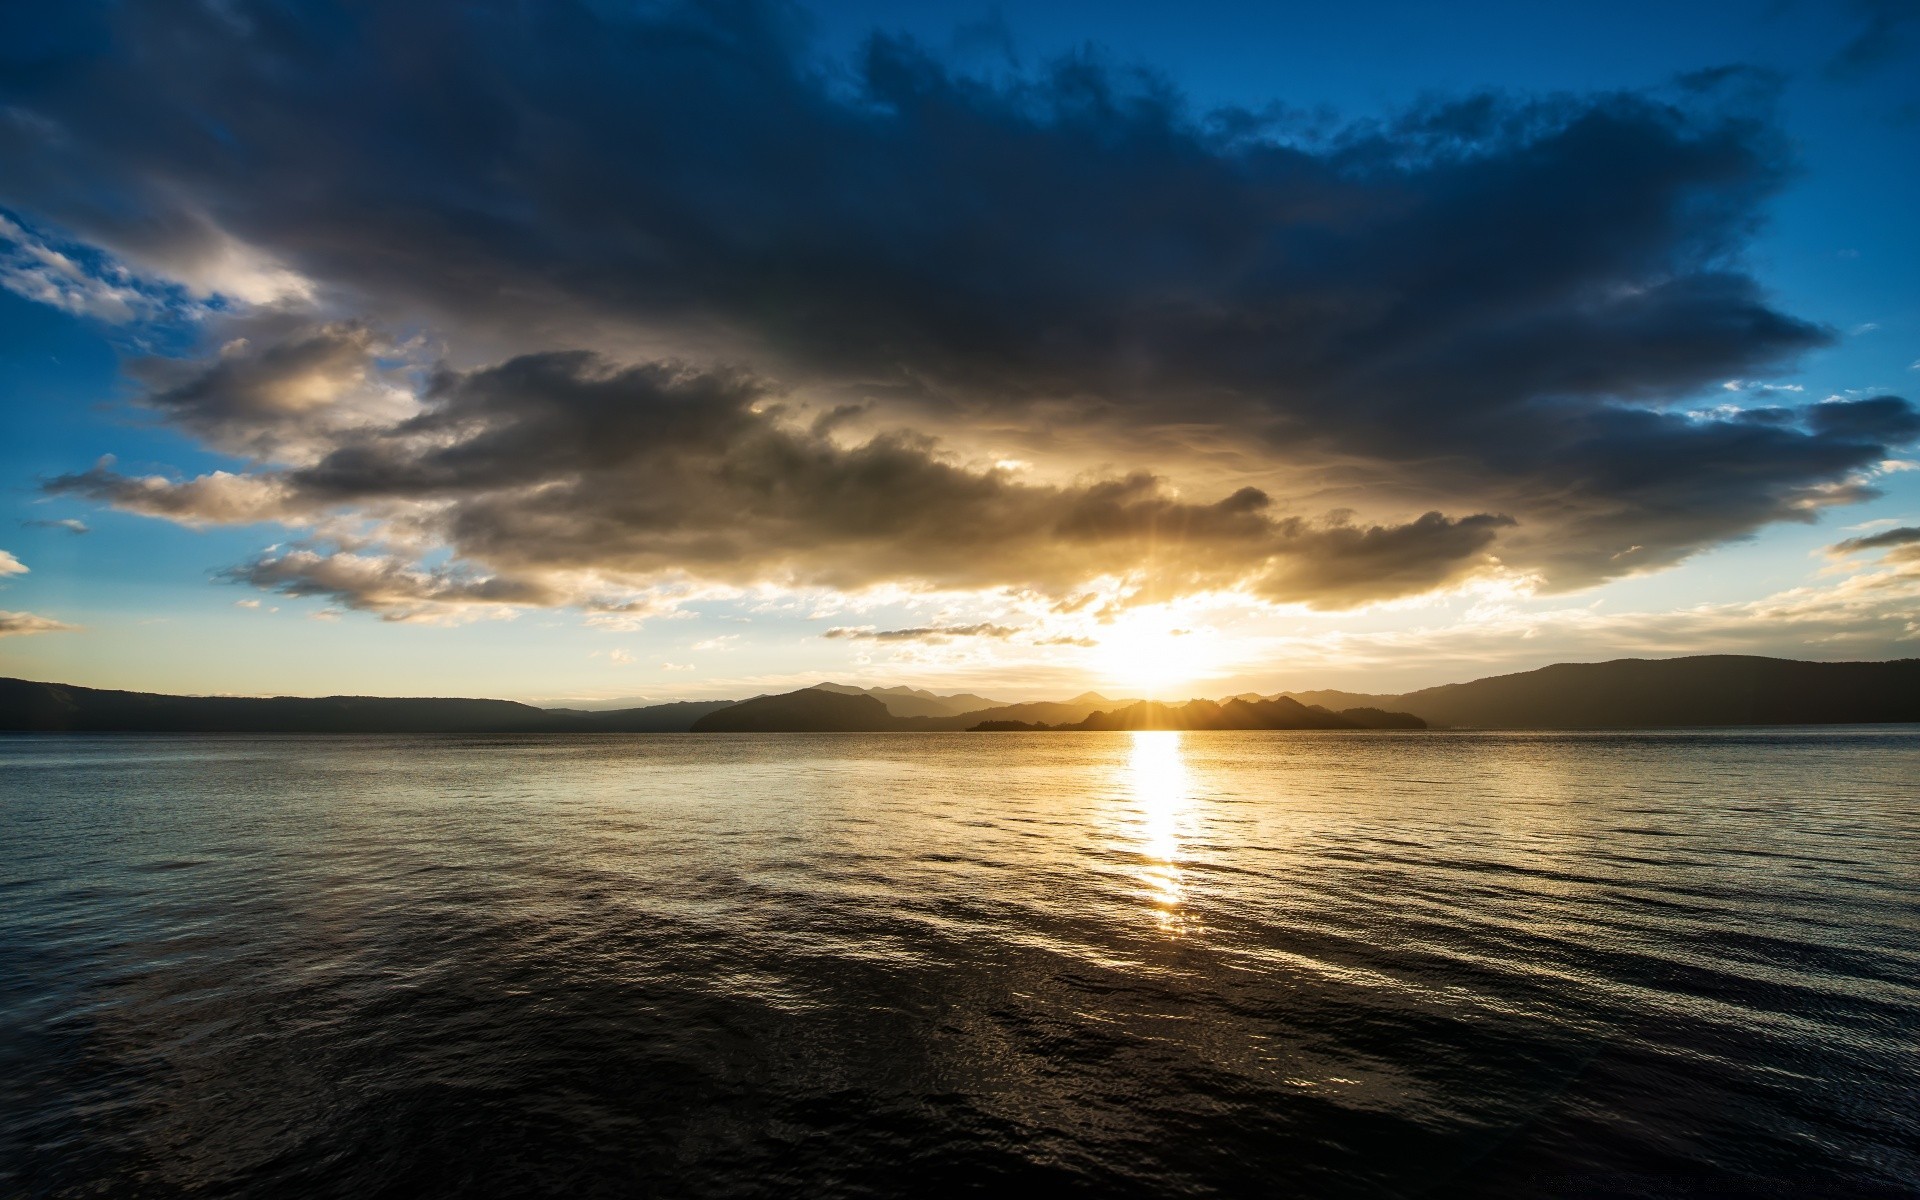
1047,712
1639,693
676,716
1235,713
809,710
1335,699
1623,694
61,708
826,707
916,702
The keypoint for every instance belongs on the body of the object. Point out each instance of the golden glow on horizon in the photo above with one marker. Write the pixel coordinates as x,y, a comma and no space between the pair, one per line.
1162,790
1149,653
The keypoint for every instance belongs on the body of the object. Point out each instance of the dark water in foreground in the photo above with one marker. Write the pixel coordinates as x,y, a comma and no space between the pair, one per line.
1147,964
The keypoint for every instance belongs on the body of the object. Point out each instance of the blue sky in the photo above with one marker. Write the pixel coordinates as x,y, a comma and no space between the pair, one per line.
135,272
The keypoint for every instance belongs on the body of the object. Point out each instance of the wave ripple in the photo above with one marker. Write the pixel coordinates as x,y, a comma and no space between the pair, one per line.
1149,964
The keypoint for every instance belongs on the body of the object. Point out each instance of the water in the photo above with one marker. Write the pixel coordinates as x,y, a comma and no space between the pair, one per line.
900,965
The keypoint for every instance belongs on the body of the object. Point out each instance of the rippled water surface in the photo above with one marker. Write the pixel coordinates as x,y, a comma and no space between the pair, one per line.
1118,964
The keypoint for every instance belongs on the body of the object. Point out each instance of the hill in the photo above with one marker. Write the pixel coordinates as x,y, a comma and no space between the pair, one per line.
53,707
1623,694
1236,713
915,702
1639,693
27,707
676,716
809,710
1045,712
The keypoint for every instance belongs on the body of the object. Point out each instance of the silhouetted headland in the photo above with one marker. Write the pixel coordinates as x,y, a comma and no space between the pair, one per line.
1706,690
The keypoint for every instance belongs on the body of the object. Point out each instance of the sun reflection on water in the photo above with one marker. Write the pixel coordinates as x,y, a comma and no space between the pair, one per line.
1162,791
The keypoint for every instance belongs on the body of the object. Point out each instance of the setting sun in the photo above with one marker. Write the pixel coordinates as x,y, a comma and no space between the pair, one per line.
1150,652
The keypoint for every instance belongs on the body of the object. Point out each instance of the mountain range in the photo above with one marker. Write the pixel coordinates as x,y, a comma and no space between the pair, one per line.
1705,690
1641,693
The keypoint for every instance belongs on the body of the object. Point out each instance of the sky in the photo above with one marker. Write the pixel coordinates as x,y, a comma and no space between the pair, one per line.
592,352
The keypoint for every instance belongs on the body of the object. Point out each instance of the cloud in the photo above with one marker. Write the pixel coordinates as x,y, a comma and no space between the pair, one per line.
1881,37
934,634
1903,544
284,392
1871,615
217,498
9,565
21,623
34,268
397,590
1881,420
1365,361
568,467
72,525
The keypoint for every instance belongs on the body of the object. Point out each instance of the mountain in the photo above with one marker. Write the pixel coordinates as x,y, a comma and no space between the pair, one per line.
1236,713
826,707
1622,694
915,702
809,710
1045,712
53,707
1327,698
61,708
676,716
1639,693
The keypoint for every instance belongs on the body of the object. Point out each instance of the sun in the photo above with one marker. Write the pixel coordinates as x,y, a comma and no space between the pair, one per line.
1151,654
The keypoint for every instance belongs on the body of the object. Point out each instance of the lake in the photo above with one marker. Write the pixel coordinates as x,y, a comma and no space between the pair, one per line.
1317,964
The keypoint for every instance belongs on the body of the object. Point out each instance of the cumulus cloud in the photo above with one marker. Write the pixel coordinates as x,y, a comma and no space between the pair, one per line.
1446,343
397,590
9,565
217,498
565,465
282,392
20,623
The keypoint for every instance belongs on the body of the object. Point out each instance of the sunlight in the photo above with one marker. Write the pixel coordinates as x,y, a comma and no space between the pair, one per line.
1162,790
1149,653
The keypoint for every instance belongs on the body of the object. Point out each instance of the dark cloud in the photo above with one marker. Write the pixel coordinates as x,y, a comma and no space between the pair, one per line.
1486,306
1074,232
1880,421
397,590
1886,539
565,466
284,392
1884,32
